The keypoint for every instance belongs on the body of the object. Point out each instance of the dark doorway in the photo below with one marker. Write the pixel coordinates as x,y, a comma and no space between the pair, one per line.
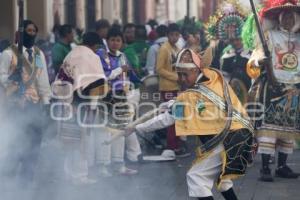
139,11
70,10
136,9
125,11
90,14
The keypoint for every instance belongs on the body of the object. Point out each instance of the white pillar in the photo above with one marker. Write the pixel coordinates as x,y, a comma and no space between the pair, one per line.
112,10
130,11
116,11
194,8
98,9
49,17
59,7
108,10
15,15
25,8
80,14
163,10
150,9
181,9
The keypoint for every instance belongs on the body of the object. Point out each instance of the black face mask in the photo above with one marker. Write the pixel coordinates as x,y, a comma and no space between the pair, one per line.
28,40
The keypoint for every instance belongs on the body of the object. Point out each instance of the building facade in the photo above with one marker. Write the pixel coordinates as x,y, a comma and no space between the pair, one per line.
83,13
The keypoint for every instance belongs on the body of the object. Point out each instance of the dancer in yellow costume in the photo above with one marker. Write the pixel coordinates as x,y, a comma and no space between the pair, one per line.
208,109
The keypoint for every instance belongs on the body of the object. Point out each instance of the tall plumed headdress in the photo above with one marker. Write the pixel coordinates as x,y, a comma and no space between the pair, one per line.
249,33
227,23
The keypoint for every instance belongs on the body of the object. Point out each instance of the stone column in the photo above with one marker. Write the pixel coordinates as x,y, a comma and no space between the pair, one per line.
172,8
194,8
80,14
116,11
150,9
98,9
49,17
15,22
130,11
162,11
108,10
59,10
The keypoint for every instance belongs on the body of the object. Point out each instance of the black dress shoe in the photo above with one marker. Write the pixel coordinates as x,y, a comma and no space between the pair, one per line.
265,175
286,172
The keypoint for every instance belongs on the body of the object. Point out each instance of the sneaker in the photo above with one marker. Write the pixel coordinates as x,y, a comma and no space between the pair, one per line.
182,153
286,172
168,154
127,171
265,175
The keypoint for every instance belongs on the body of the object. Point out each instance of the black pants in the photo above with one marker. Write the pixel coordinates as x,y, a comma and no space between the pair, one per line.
23,154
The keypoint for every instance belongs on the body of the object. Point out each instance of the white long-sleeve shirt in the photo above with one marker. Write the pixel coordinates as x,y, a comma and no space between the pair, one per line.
152,54
43,85
160,121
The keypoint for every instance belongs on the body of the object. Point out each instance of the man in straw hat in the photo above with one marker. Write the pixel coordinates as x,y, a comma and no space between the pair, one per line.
279,124
208,109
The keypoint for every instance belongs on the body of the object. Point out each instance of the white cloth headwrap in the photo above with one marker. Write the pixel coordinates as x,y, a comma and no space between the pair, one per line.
184,65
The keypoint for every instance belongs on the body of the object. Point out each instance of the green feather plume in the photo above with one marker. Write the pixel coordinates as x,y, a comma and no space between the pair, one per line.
249,32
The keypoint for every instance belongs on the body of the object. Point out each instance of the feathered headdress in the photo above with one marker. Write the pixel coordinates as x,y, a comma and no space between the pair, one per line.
227,23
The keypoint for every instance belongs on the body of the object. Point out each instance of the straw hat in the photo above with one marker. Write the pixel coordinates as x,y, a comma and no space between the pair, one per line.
274,7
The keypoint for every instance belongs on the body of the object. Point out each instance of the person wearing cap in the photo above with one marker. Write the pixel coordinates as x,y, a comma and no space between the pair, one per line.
208,109
31,99
279,124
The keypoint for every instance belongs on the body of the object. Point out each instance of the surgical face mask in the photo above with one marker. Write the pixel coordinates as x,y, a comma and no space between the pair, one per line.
28,40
